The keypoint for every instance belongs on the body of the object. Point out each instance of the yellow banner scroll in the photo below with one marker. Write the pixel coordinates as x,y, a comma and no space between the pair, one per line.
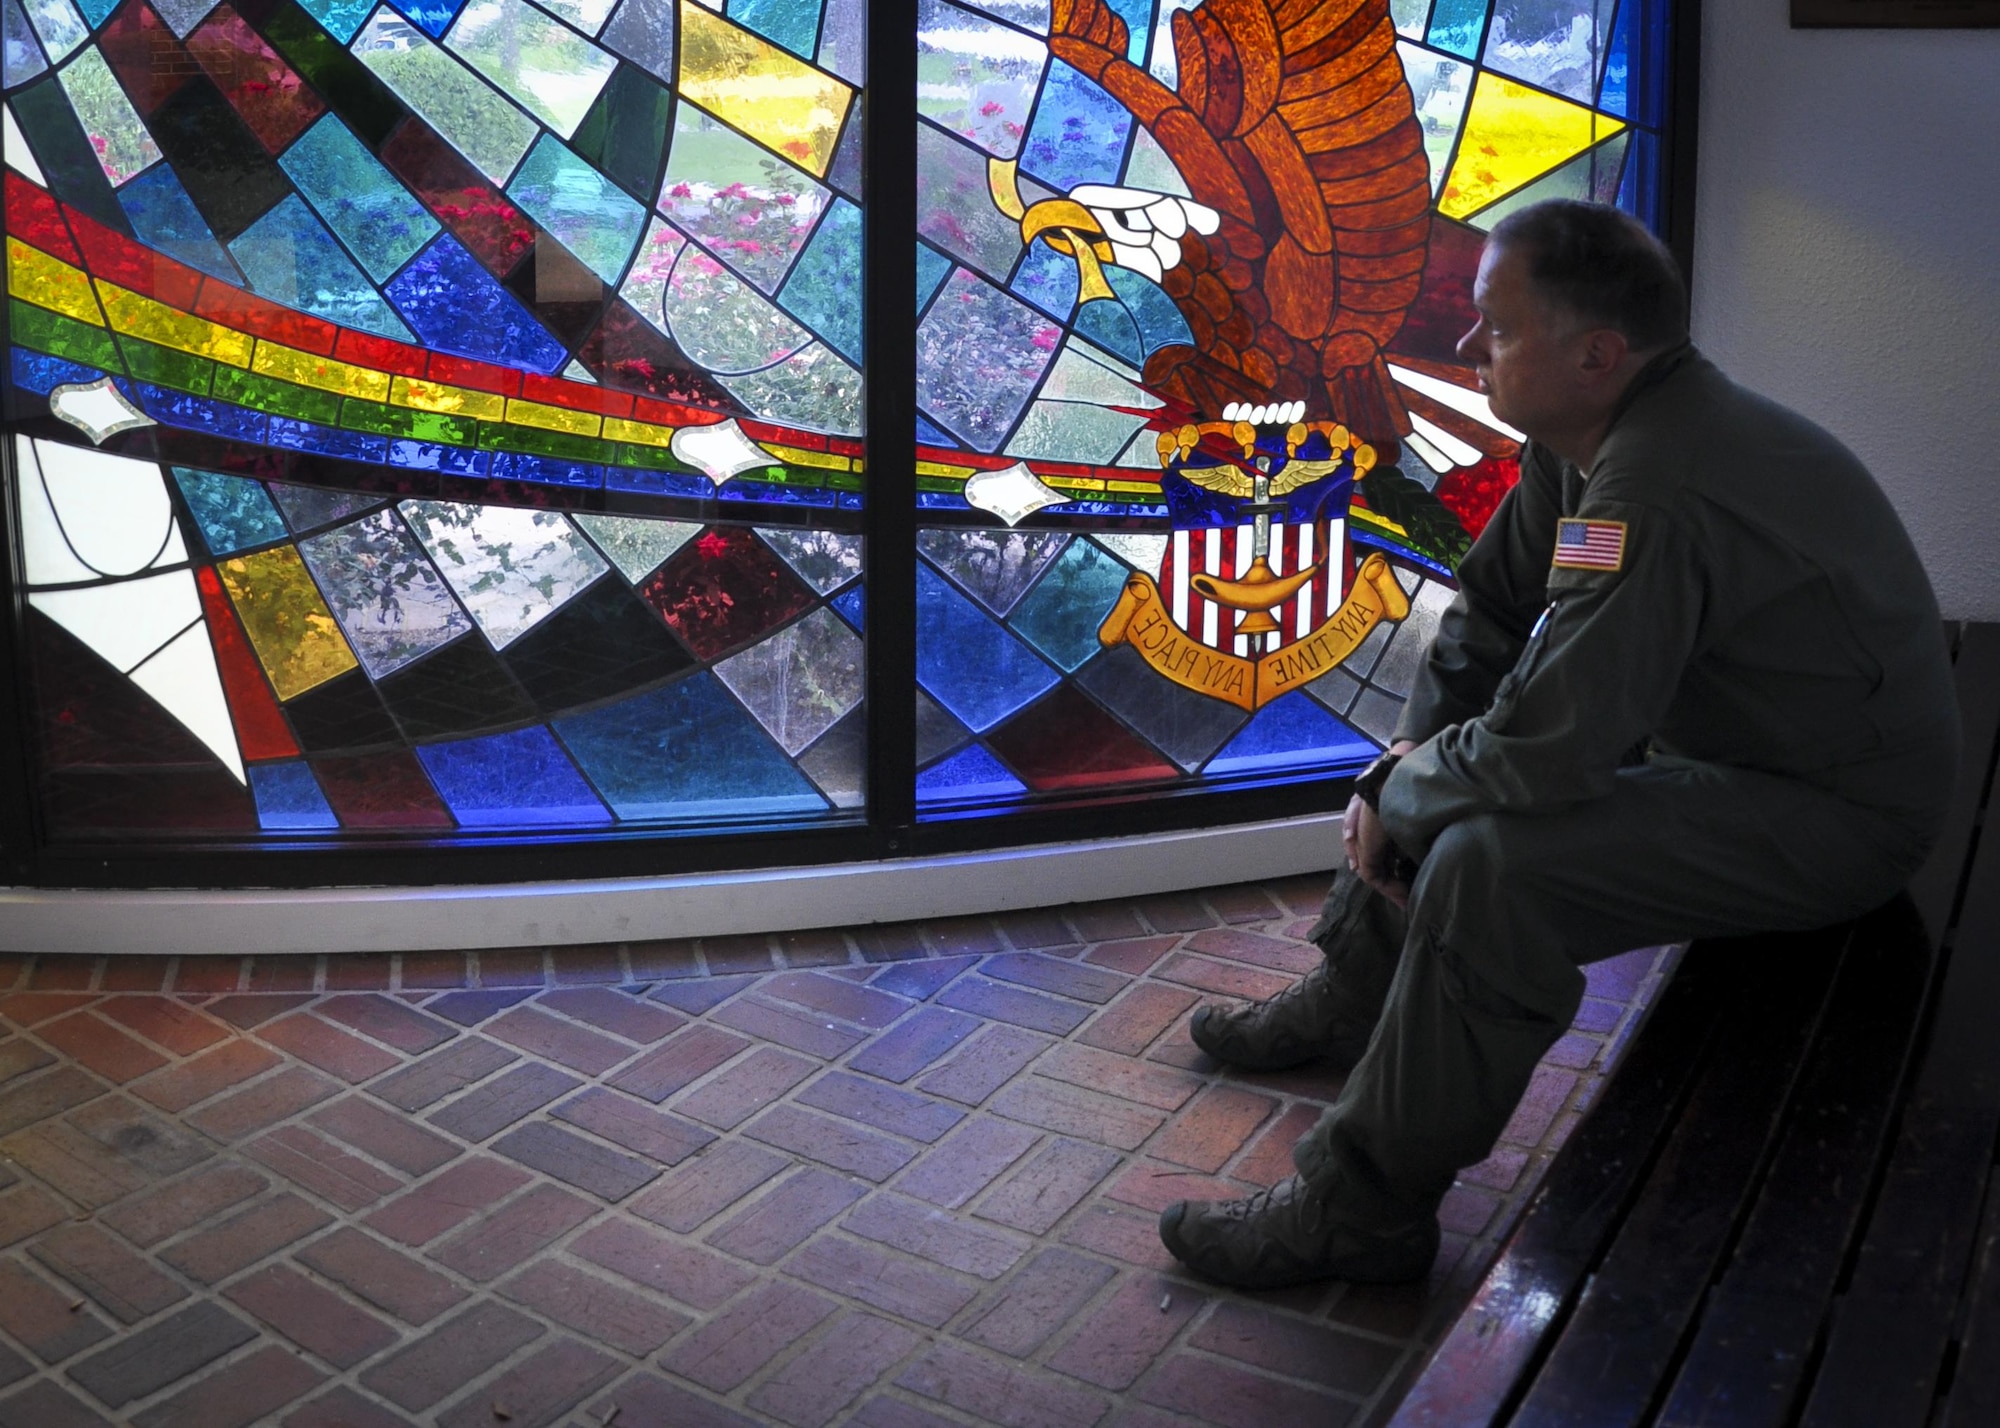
1140,619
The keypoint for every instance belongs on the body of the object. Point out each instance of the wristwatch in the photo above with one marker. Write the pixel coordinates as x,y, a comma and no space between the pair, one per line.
1368,786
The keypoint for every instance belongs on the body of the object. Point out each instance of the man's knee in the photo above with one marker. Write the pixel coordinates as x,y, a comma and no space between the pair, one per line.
1470,868
1474,910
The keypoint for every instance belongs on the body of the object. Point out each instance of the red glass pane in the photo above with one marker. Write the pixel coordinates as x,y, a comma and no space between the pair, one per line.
258,85
386,790
1067,742
723,589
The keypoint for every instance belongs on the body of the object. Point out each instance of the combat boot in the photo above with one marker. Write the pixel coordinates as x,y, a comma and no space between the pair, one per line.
1305,1022
1292,1234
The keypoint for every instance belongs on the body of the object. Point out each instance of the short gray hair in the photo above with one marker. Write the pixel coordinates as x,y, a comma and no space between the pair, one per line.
1603,266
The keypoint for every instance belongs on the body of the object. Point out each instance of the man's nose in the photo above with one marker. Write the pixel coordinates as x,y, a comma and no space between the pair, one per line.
1469,345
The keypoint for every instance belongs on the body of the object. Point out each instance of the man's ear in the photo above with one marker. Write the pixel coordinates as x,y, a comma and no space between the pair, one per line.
1604,351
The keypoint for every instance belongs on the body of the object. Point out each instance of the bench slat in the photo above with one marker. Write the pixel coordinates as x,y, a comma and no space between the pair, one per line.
1617,1345
1974,1396
1535,1279
1746,1360
1976,674
1917,1256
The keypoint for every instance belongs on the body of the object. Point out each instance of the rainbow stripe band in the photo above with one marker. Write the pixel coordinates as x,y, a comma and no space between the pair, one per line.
203,356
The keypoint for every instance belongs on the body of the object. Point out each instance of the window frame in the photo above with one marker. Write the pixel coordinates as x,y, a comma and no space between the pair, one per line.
888,826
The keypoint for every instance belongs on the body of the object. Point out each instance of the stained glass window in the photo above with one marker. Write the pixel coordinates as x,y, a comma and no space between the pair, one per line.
1196,455
446,416
440,416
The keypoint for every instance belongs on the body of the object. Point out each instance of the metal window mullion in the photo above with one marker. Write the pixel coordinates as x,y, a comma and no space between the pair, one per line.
889,364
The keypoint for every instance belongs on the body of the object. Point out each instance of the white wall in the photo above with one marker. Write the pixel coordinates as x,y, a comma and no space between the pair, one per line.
1846,263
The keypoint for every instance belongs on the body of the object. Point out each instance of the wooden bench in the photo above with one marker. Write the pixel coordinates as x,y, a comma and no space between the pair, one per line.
1778,1211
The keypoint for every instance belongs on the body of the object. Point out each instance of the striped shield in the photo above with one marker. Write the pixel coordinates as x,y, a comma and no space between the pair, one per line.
1226,552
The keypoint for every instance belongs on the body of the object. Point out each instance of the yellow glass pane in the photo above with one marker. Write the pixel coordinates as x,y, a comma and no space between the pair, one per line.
645,433
458,401
553,418
309,369
33,276
773,96
938,468
140,316
1512,136
290,627
798,456
1144,488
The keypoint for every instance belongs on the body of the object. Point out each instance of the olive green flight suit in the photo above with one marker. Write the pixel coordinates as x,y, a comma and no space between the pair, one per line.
1769,640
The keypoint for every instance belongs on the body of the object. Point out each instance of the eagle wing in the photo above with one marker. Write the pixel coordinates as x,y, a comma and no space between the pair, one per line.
1292,120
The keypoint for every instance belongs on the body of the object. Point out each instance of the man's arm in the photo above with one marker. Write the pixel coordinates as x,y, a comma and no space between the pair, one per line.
1501,589
1596,680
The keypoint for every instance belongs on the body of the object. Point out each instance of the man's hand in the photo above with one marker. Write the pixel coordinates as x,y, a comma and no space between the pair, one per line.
1370,852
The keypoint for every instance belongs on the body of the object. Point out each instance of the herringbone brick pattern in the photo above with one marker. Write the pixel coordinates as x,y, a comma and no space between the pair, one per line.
895,1176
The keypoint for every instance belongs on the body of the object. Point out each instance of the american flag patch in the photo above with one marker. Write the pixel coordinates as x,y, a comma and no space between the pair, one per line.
1590,545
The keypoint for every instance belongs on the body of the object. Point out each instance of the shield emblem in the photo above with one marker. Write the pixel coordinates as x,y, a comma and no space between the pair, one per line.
1258,590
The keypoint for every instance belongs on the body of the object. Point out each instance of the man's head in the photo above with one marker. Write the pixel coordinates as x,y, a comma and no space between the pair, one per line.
1573,299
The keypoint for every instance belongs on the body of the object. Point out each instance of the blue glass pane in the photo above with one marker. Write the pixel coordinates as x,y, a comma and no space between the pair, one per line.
288,797
687,750
1159,322
511,779
1079,132
972,773
824,290
1111,327
327,440
1555,47
194,413
791,23
1289,733
1611,95
96,11
23,56
165,218
454,304
307,507
1458,26
234,514
850,606
931,269
967,661
845,171
1639,194
1061,614
932,435
341,18
379,220
433,17
588,214
289,257
41,373
643,32
1047,279
1138,18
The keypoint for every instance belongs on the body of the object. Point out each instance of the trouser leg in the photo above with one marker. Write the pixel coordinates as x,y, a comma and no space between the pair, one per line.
1505,910
1360,933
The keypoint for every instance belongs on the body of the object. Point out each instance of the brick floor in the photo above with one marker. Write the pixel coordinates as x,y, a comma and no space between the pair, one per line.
901,1175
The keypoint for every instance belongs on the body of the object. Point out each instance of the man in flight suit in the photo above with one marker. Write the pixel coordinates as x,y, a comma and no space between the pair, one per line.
1694,683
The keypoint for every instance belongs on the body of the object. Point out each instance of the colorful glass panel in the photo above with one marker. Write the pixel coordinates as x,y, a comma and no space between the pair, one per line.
1192,429
445,415
440,417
